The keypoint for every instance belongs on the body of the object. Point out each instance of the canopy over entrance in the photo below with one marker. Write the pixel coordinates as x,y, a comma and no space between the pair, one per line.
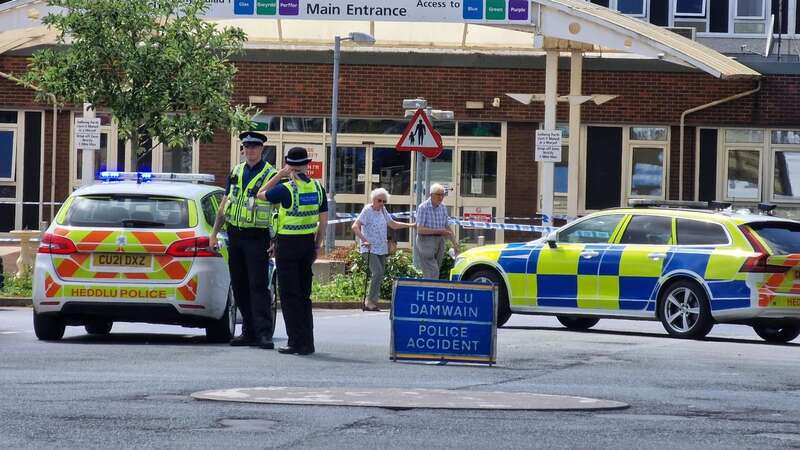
547,25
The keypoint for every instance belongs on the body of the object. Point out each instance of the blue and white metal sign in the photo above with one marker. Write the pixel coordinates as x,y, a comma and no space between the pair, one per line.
444,321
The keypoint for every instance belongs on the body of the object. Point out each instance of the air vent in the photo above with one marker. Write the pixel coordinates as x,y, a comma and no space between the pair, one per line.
687,32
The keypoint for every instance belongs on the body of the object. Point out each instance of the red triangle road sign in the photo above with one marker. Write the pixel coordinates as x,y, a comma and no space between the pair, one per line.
419,136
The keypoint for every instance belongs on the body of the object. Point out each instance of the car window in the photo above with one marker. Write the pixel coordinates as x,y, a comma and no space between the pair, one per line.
650,230
782,237
596,230
696,232
128,211
209,206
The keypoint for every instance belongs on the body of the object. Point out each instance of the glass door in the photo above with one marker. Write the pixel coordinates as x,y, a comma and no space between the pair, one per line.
351,186
477,193
391,170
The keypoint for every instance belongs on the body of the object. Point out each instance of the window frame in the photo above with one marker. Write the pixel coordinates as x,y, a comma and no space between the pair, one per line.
643,14
727,149
623,220
14,129
677,14
736,15
773,149
631,217
629,148
724,230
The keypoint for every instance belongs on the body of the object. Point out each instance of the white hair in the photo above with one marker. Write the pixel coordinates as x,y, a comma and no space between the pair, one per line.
437,188
379,192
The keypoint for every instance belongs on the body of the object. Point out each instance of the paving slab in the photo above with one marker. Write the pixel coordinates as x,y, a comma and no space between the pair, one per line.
401,398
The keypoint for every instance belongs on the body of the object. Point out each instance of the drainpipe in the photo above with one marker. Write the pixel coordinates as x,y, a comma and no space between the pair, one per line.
699,108
53,149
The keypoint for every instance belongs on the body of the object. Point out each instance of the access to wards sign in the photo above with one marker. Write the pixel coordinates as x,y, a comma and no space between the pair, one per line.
446,321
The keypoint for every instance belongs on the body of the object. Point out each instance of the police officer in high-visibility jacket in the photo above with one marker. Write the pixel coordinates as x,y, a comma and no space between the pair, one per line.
248,220
302,219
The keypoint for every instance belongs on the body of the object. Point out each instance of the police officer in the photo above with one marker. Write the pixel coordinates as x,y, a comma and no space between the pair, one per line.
248,220
302,219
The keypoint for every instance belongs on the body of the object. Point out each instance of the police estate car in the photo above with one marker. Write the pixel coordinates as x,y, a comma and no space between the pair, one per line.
688,268
134,248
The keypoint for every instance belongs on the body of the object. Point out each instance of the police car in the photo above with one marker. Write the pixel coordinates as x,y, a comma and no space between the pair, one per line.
689,268
134,248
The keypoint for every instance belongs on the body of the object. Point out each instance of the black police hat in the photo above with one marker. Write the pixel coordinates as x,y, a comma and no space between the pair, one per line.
297,156
252,136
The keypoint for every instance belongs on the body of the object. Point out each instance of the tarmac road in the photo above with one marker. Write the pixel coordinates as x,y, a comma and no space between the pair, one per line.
131,389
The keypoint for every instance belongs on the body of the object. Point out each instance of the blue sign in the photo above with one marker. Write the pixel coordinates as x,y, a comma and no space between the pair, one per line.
443,321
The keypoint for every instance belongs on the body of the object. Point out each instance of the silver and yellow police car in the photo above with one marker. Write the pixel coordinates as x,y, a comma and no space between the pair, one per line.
134,248
687,267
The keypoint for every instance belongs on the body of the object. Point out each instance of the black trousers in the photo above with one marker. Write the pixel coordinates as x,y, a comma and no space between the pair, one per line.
247,260
294,257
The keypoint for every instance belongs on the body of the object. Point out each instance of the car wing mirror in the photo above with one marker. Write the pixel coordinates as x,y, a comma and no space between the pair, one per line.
552,240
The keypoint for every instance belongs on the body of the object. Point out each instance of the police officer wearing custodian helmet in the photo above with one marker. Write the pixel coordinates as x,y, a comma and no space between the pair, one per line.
248,220
302,219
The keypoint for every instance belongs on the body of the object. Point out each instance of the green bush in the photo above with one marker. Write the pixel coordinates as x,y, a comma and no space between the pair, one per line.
17,287
398,265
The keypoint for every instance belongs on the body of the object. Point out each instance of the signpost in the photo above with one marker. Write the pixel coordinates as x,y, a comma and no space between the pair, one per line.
87,139
444,321
419,136
548,146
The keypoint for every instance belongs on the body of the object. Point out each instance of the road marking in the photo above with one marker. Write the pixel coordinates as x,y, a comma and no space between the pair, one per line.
9,332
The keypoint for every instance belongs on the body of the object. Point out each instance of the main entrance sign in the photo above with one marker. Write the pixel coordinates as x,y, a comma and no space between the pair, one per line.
459,11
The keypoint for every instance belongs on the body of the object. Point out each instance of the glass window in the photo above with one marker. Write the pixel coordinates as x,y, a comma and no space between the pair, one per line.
209,208
786,136
371,126
647,172
121,143
743,169
748,27
650,230
561,172
442,168
401,235
6,154
269,154
143,156
302,124
751,9
100,157
696,232
350,169
631,7
739,136
393,170
479,129
128,211
787,175
8,117
177,159
344,232
690,7
478,174
648,134
782,238
445,128
469,235
267,123
596,230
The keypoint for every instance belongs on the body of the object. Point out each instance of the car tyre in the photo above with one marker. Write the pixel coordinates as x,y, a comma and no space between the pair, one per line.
778,333
577,323
48,327
490,276
99,327
221,331
685,311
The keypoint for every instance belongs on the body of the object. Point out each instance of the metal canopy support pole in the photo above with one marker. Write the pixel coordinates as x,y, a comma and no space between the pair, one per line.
87,158
550,98
575,87
330,236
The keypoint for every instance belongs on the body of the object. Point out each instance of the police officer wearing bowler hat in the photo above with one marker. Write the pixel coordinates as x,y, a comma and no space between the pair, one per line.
248,221
302,219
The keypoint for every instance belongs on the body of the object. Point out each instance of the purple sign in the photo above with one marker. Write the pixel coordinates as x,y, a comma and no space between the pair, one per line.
289,7
518,9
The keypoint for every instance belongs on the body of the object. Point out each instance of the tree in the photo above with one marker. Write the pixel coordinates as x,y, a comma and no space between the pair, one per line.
162,70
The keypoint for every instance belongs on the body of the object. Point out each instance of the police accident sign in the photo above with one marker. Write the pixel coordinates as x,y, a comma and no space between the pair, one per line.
444,321
459,11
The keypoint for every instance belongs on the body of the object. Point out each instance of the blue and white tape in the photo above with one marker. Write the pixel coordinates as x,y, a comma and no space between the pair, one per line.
350,217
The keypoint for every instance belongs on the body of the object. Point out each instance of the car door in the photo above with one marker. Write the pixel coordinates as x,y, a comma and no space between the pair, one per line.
631,267
565,276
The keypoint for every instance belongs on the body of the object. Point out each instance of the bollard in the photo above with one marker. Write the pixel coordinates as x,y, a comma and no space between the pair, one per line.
27,250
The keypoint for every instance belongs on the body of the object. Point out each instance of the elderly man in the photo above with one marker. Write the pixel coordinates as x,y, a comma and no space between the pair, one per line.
432,229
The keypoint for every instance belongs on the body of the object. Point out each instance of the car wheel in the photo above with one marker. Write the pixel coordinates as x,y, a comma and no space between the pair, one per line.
492,277
685,311
98,327
777,332
48,327
222,330
577,323
273,300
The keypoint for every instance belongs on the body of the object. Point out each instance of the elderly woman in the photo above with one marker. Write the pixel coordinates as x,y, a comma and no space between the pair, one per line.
371,229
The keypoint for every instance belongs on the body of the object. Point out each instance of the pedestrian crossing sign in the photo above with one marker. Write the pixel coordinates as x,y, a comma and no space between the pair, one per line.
419,136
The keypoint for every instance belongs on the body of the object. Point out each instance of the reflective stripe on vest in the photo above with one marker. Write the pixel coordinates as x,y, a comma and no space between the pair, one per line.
303,215
239,212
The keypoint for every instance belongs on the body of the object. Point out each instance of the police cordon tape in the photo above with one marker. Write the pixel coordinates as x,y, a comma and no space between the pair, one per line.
350,217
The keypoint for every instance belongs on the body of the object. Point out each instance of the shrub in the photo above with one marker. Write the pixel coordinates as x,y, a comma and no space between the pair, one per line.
17,287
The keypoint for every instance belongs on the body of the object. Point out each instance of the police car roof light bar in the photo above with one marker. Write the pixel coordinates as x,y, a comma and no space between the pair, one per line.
145,177
650,203
767,209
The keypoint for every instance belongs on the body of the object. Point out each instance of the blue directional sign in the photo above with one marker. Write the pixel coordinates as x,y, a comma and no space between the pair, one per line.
444,321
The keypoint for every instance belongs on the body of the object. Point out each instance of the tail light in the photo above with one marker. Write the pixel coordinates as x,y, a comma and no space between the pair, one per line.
198,247
56,245
758,263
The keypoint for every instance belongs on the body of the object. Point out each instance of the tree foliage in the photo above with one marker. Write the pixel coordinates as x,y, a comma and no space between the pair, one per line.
160,68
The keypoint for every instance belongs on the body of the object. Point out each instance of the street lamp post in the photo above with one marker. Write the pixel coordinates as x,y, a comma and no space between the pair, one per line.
363,38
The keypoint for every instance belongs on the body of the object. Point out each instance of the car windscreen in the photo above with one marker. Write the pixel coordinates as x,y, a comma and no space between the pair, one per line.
128,211
782,237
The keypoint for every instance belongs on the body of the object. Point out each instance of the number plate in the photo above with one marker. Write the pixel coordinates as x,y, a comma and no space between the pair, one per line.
122,260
